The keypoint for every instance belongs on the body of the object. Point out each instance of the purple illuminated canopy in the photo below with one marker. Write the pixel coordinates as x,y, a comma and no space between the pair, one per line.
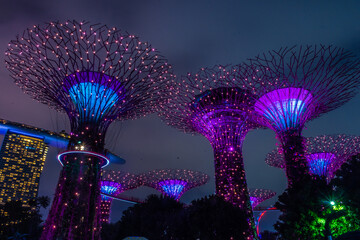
223,110
112,184
93,95
295,85
216,103
115,182
95,74
324,154
321,163
285,108
173,188
109,188
174,182
257,196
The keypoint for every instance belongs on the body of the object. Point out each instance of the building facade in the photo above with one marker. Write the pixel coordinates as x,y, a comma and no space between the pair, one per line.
22,159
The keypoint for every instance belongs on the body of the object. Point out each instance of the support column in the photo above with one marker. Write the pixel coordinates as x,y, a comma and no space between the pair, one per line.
231,183
75,212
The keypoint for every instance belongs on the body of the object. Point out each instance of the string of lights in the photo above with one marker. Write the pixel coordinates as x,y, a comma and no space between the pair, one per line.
257,196
112,184
174,182
215,103
324,154
295,85
95,74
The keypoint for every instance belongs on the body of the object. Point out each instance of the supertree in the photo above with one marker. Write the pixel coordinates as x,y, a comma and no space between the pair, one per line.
94,74
112,184
324,154
295,85
257,196
174,182
214,103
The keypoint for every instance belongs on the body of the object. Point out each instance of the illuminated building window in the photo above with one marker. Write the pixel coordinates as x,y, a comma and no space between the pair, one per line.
21,161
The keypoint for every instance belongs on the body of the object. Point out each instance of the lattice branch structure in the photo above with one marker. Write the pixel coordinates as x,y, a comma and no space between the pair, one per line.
324,154
257,196
95,74
174,182
112,184
295,85
215,103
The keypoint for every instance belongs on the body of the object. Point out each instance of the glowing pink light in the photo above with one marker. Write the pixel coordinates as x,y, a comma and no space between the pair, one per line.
103,164
320,163
260,217
173,188
285,108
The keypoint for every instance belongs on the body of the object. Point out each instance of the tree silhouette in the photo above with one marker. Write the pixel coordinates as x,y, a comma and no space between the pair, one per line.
214,218
347,183
20,221
156,218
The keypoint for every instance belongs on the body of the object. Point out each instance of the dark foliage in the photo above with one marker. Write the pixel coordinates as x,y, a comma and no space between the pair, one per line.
300,206
214,218
350,236
162,218
156,218
347,183
109,231
315,209
267,235
18,221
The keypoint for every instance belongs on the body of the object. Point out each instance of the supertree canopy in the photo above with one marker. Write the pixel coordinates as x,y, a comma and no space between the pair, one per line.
295,85
174,182
257,196
112,184
95,74
214,103
324,154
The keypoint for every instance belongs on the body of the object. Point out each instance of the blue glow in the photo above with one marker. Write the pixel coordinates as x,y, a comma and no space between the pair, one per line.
173,188
252,201
109,188
286,108
95,98
104,163
320,163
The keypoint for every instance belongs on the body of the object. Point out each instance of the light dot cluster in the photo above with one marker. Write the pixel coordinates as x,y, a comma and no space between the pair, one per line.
324,154
285,108
112,184
257,196
295,85
95,74
173,187
216,103
174,182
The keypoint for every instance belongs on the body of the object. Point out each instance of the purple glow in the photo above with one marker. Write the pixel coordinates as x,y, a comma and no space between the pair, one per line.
79,68
109,188
320,163
253,201
257,196
286,108
103,163
173,188
93,94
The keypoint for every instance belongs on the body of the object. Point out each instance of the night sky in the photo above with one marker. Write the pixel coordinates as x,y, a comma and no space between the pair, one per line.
190,34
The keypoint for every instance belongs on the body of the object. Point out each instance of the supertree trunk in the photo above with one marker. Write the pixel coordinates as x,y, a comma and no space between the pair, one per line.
74,213
231,183
95,75
105,210
294,155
